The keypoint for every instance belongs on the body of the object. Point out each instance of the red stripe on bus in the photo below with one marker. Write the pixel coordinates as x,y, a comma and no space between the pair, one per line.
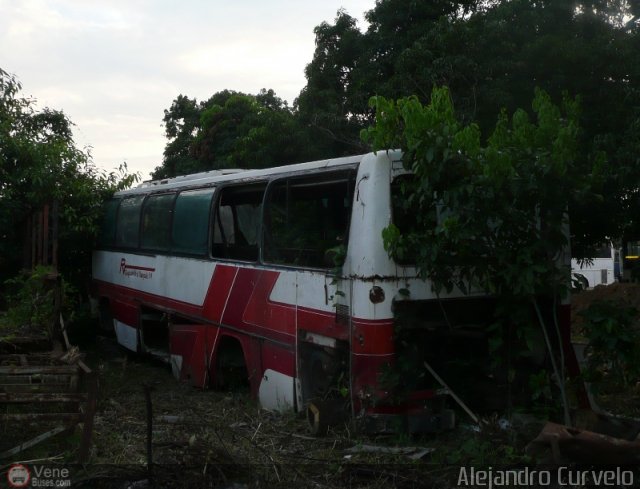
322,322
136,267
243,286
262,312
218,292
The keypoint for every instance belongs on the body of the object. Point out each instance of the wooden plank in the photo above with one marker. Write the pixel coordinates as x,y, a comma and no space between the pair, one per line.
28,397
38,240
52,383
37,379
34,234
45,234
54,234
43,379
39,369
31,358
84,367
89,413
64,333
10,388
34,441
76,417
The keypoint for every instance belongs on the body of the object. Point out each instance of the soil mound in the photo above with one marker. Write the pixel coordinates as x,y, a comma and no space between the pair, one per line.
625,294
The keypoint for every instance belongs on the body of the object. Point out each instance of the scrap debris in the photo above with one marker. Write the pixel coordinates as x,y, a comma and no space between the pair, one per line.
572,445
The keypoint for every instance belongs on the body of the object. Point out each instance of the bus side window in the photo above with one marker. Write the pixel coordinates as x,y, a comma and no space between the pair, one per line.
107,233
128,224
156,222
191,216
237,221
307,218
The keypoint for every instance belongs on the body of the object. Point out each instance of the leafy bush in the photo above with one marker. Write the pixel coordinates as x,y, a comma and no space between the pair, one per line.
40,163
491,214
614,343
33,304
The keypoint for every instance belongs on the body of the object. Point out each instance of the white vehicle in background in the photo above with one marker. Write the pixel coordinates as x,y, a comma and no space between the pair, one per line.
602,269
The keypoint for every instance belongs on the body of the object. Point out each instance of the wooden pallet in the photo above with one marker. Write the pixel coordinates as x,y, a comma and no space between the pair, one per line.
44,390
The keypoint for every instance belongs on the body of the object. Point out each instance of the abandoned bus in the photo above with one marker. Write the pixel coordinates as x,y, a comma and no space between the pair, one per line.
280,277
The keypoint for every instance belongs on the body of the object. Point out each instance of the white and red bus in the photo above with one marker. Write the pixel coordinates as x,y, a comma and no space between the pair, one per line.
281,275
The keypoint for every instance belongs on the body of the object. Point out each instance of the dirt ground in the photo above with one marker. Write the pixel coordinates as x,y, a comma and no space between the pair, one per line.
229,439
626,403
207,438
627,294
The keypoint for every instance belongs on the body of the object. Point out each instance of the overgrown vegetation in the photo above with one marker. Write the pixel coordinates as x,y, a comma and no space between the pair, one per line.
225,437
613,352
40,164
491,55
490,216
528,171
34,298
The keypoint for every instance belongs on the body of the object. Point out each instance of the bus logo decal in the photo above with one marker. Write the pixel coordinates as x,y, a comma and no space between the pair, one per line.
135,270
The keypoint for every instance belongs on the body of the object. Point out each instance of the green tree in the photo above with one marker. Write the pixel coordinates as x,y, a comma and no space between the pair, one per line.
40,163
333,104
349,66
232,130
492,55
490,216
181,121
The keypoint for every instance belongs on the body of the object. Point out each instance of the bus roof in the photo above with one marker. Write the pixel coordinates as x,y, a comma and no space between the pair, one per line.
218,176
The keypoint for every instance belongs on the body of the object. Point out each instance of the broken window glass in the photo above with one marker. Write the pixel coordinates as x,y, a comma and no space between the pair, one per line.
307,219
237,222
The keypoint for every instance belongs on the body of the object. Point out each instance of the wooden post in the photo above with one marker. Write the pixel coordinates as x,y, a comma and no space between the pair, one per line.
39,238
87,428
147,397
54,234
34,239
45,234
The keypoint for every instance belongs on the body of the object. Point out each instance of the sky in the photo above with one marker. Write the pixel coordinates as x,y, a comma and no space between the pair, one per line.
114,66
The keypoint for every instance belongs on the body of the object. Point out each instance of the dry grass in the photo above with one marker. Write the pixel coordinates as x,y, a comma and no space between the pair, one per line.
227,438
